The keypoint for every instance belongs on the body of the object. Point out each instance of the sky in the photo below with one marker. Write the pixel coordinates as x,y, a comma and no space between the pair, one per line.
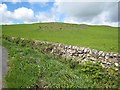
92,12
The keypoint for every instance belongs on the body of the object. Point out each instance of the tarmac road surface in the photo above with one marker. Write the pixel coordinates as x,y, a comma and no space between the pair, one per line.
3,64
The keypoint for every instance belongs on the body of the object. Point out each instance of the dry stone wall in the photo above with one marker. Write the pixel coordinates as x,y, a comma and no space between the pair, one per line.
79,54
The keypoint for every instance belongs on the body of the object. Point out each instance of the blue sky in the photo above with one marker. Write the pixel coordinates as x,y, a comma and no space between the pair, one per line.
17,12
35,6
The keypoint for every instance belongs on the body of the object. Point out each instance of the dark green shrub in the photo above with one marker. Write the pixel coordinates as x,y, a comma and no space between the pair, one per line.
17,40
9,39
23,43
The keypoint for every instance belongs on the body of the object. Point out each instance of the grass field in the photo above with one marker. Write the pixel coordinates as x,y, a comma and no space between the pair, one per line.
29,67
98,37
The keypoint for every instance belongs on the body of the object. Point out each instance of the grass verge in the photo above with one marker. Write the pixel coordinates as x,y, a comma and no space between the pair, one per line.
29,67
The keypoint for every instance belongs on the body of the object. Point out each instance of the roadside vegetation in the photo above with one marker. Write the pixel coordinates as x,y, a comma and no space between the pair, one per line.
30,68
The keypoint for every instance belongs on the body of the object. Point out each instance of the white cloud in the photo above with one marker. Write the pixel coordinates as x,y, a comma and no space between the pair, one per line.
5,15
98,20
86,0
42,3
24,13
38,0
82,10
3,8
88,12
15,1
45,17
112,12
20,14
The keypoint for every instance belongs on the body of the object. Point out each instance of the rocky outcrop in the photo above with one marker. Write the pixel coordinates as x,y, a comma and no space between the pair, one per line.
79,54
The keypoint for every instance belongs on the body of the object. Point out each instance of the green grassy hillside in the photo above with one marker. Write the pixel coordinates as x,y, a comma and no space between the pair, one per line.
98,37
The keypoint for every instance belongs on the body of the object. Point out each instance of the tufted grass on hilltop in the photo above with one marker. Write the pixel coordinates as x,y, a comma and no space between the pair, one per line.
98,37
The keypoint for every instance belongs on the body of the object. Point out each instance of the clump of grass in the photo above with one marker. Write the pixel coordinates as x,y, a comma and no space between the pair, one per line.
23,71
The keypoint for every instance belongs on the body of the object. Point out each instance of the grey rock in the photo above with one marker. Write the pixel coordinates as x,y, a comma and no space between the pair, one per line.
103,54
85,50
100,53
116,64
